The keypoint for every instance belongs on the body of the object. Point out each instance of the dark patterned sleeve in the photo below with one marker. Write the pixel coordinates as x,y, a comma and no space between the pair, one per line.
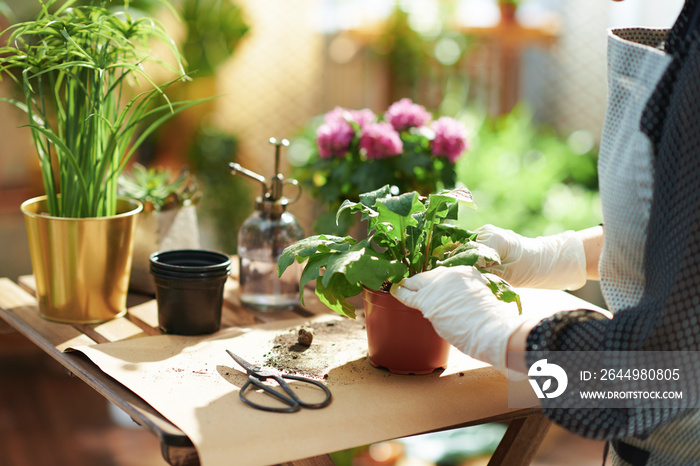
667,318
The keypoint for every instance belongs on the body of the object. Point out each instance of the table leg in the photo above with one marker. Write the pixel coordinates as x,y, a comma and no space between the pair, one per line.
323,460
521,441
188,457
180,456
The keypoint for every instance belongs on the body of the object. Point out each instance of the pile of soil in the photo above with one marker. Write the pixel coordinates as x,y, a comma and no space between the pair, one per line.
335,343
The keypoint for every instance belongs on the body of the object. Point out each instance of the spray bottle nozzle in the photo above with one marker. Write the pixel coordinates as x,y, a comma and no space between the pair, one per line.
236,168
272,198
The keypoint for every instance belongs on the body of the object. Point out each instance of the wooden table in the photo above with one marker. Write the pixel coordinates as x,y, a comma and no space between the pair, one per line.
527,427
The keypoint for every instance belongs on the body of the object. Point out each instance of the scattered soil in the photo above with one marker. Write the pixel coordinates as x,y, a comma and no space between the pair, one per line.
331,344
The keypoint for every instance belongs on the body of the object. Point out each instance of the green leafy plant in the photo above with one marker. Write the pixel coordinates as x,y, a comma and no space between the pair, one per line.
407,234
158,189
76,66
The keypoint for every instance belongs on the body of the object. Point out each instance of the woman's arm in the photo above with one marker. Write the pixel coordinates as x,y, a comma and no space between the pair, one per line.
592,239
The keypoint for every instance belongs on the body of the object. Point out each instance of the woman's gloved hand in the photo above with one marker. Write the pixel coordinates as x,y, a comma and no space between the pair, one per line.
463,311
555,262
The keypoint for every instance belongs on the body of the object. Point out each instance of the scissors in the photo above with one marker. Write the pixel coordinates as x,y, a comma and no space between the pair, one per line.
256,376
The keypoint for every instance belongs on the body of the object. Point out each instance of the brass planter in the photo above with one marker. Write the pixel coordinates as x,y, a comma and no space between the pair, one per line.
81,265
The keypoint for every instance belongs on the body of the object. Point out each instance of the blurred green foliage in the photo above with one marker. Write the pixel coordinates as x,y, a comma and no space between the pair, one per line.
422,57
214,29
226,201
527,178
524,175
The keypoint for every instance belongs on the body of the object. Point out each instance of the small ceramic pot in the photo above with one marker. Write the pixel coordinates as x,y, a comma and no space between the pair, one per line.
190,290
399,338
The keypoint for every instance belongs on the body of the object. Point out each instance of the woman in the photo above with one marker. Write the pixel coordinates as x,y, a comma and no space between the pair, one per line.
647,256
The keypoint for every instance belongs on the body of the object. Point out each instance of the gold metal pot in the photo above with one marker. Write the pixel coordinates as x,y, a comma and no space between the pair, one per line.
81,265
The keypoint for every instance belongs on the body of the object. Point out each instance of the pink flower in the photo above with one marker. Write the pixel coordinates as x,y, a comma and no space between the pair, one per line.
337,115
363,117
405,114
380,140
333,137
450,139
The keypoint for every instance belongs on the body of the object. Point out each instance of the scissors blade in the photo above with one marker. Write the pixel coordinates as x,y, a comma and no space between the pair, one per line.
251,369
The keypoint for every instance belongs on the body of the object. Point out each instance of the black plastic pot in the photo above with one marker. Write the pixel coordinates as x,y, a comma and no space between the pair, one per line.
189,290
190,261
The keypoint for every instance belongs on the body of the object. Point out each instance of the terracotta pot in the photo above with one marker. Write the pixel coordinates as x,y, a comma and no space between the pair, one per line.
400,339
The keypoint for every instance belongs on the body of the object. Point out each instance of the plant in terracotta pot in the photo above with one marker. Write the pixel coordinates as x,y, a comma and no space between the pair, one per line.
90,103
168,220
407,234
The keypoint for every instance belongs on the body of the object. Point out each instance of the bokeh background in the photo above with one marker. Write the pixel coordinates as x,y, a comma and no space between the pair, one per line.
532,93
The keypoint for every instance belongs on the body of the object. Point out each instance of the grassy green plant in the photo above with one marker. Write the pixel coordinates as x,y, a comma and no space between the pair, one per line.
408,234
76,66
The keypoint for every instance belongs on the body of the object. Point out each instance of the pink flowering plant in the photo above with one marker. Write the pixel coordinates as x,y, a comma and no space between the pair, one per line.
357,151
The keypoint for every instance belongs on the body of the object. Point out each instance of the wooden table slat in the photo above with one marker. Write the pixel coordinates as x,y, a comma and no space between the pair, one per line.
145,316
234,314
28,283
113,330
20,310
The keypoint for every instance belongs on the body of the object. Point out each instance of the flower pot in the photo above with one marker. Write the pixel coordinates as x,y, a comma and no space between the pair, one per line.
164,230
189,290
81,265
399,338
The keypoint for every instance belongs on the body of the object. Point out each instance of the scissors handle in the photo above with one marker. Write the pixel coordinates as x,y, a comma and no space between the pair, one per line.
291,393
292,406
293,402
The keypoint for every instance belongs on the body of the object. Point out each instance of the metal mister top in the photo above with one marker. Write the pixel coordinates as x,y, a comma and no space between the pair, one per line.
272,199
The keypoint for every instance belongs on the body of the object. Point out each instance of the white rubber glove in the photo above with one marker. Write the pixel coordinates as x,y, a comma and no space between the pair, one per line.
556,262
463,311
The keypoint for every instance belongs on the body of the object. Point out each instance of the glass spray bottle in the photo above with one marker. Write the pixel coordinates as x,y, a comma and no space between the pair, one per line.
263,237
